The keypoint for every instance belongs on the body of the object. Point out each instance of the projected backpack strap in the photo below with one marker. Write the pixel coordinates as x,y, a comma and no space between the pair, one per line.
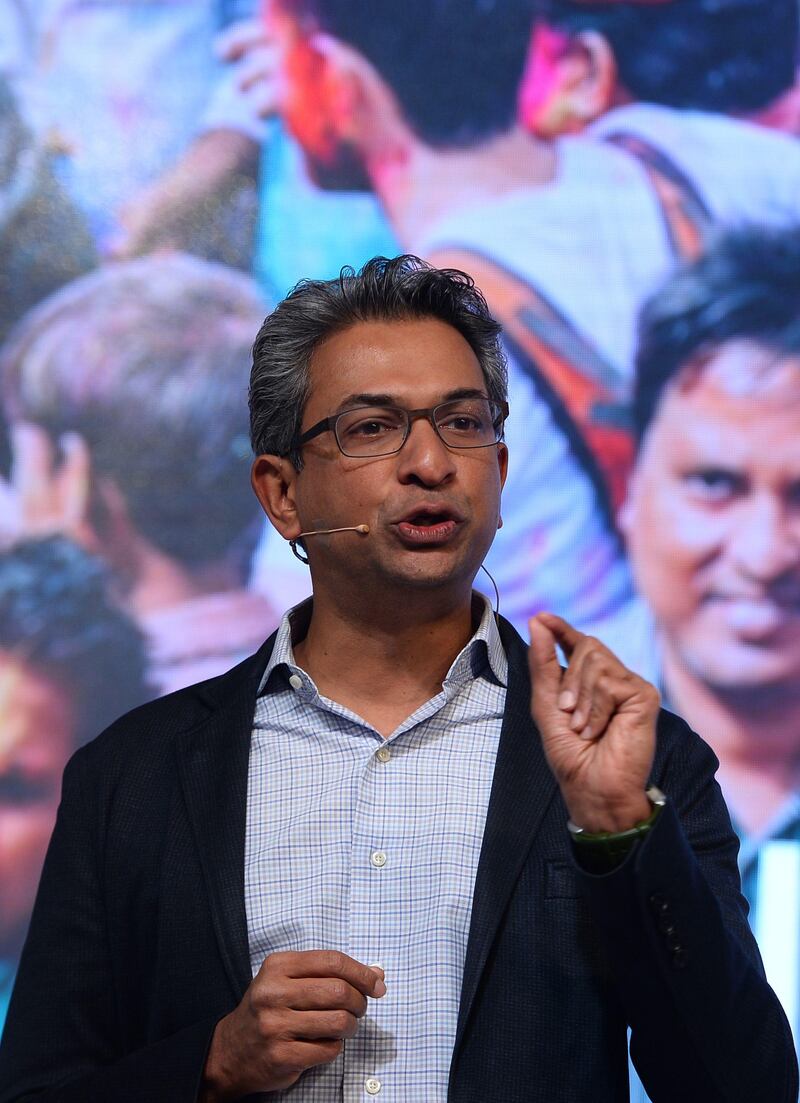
686,217
586,394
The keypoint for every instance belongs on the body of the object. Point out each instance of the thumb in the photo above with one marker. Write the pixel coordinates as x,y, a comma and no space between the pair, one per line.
544,665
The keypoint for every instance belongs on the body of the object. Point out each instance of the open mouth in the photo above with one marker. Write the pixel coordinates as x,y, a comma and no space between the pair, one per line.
428,527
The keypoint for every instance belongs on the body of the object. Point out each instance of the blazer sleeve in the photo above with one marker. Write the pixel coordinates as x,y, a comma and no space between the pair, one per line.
63,1037
705,1025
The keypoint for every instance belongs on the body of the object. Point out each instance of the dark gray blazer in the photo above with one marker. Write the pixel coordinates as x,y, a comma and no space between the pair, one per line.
138,942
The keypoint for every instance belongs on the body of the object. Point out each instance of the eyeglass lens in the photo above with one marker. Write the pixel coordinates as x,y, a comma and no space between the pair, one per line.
381,430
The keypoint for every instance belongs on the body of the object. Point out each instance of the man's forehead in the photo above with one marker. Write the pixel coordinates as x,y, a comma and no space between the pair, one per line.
408,360
739,372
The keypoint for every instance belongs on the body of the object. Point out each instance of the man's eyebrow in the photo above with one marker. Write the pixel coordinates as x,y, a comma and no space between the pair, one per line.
366,399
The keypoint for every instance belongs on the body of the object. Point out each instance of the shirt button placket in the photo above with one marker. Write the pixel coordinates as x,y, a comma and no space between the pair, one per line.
368,886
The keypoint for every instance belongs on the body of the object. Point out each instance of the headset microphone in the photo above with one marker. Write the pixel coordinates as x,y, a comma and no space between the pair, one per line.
363,529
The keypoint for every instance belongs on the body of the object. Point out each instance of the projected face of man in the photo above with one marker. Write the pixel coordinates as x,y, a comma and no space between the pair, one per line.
36,739
713,520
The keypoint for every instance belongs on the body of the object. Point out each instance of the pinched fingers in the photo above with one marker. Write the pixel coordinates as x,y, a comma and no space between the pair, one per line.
597,686
320,1025
319,994
567,637
295,1014
330,963
599,694
594,686
317,980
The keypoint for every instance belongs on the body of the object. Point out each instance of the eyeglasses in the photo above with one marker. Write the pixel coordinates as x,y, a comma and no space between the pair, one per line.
383,430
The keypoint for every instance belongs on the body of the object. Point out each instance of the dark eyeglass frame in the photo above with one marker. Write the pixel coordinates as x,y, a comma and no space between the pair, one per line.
329,424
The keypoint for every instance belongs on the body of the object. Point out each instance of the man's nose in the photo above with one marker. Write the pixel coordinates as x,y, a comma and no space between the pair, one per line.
425,458
766,542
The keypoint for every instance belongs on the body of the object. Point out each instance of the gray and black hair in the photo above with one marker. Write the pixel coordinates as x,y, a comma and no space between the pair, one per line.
746,286
399,289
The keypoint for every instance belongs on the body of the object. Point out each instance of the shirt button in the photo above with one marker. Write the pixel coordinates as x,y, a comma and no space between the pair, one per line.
384,754
372,1085
295,681
378,859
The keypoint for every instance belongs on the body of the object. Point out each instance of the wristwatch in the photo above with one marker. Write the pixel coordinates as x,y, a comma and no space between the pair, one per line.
610,847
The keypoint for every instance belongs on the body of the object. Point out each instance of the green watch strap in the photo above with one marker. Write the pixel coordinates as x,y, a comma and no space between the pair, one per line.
604,850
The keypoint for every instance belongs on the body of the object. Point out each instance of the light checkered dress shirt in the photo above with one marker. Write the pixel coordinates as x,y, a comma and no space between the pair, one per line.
371,846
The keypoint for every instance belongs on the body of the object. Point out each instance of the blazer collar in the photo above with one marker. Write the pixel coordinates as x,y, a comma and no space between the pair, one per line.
522,788
212,764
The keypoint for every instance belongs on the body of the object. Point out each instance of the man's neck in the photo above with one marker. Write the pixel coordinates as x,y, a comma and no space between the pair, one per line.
753,735
384,665
418,186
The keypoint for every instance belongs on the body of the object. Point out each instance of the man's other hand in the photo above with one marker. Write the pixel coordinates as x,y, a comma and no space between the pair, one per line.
295,1014
48,488
249,46
597,720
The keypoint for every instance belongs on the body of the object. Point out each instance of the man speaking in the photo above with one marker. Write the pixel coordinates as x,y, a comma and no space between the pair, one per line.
344,869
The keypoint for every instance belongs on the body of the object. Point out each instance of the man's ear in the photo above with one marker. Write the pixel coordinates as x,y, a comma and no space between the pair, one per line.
570,81
502,462
274,480
595,91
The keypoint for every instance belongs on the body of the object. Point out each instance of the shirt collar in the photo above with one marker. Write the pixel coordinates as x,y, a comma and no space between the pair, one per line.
485,646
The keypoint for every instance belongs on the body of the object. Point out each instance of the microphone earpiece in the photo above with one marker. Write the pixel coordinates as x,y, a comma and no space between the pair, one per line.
327,532
363,529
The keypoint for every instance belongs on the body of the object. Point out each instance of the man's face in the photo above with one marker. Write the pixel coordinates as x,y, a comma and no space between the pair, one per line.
36,738
713,518
309,105
413,364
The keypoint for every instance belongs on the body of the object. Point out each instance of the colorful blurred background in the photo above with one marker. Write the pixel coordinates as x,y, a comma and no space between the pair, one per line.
622,179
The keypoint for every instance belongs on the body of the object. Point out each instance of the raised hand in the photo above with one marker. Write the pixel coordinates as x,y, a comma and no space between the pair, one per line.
46,492
597,721
295,1014
249,46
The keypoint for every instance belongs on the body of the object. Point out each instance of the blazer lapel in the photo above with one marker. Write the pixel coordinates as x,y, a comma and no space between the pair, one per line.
522,788
212,764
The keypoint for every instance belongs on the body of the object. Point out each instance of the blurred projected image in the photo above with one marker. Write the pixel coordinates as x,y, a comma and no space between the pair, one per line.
150,134
712,525
564,234
588,60
35,211
70,662
568,154
126,397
